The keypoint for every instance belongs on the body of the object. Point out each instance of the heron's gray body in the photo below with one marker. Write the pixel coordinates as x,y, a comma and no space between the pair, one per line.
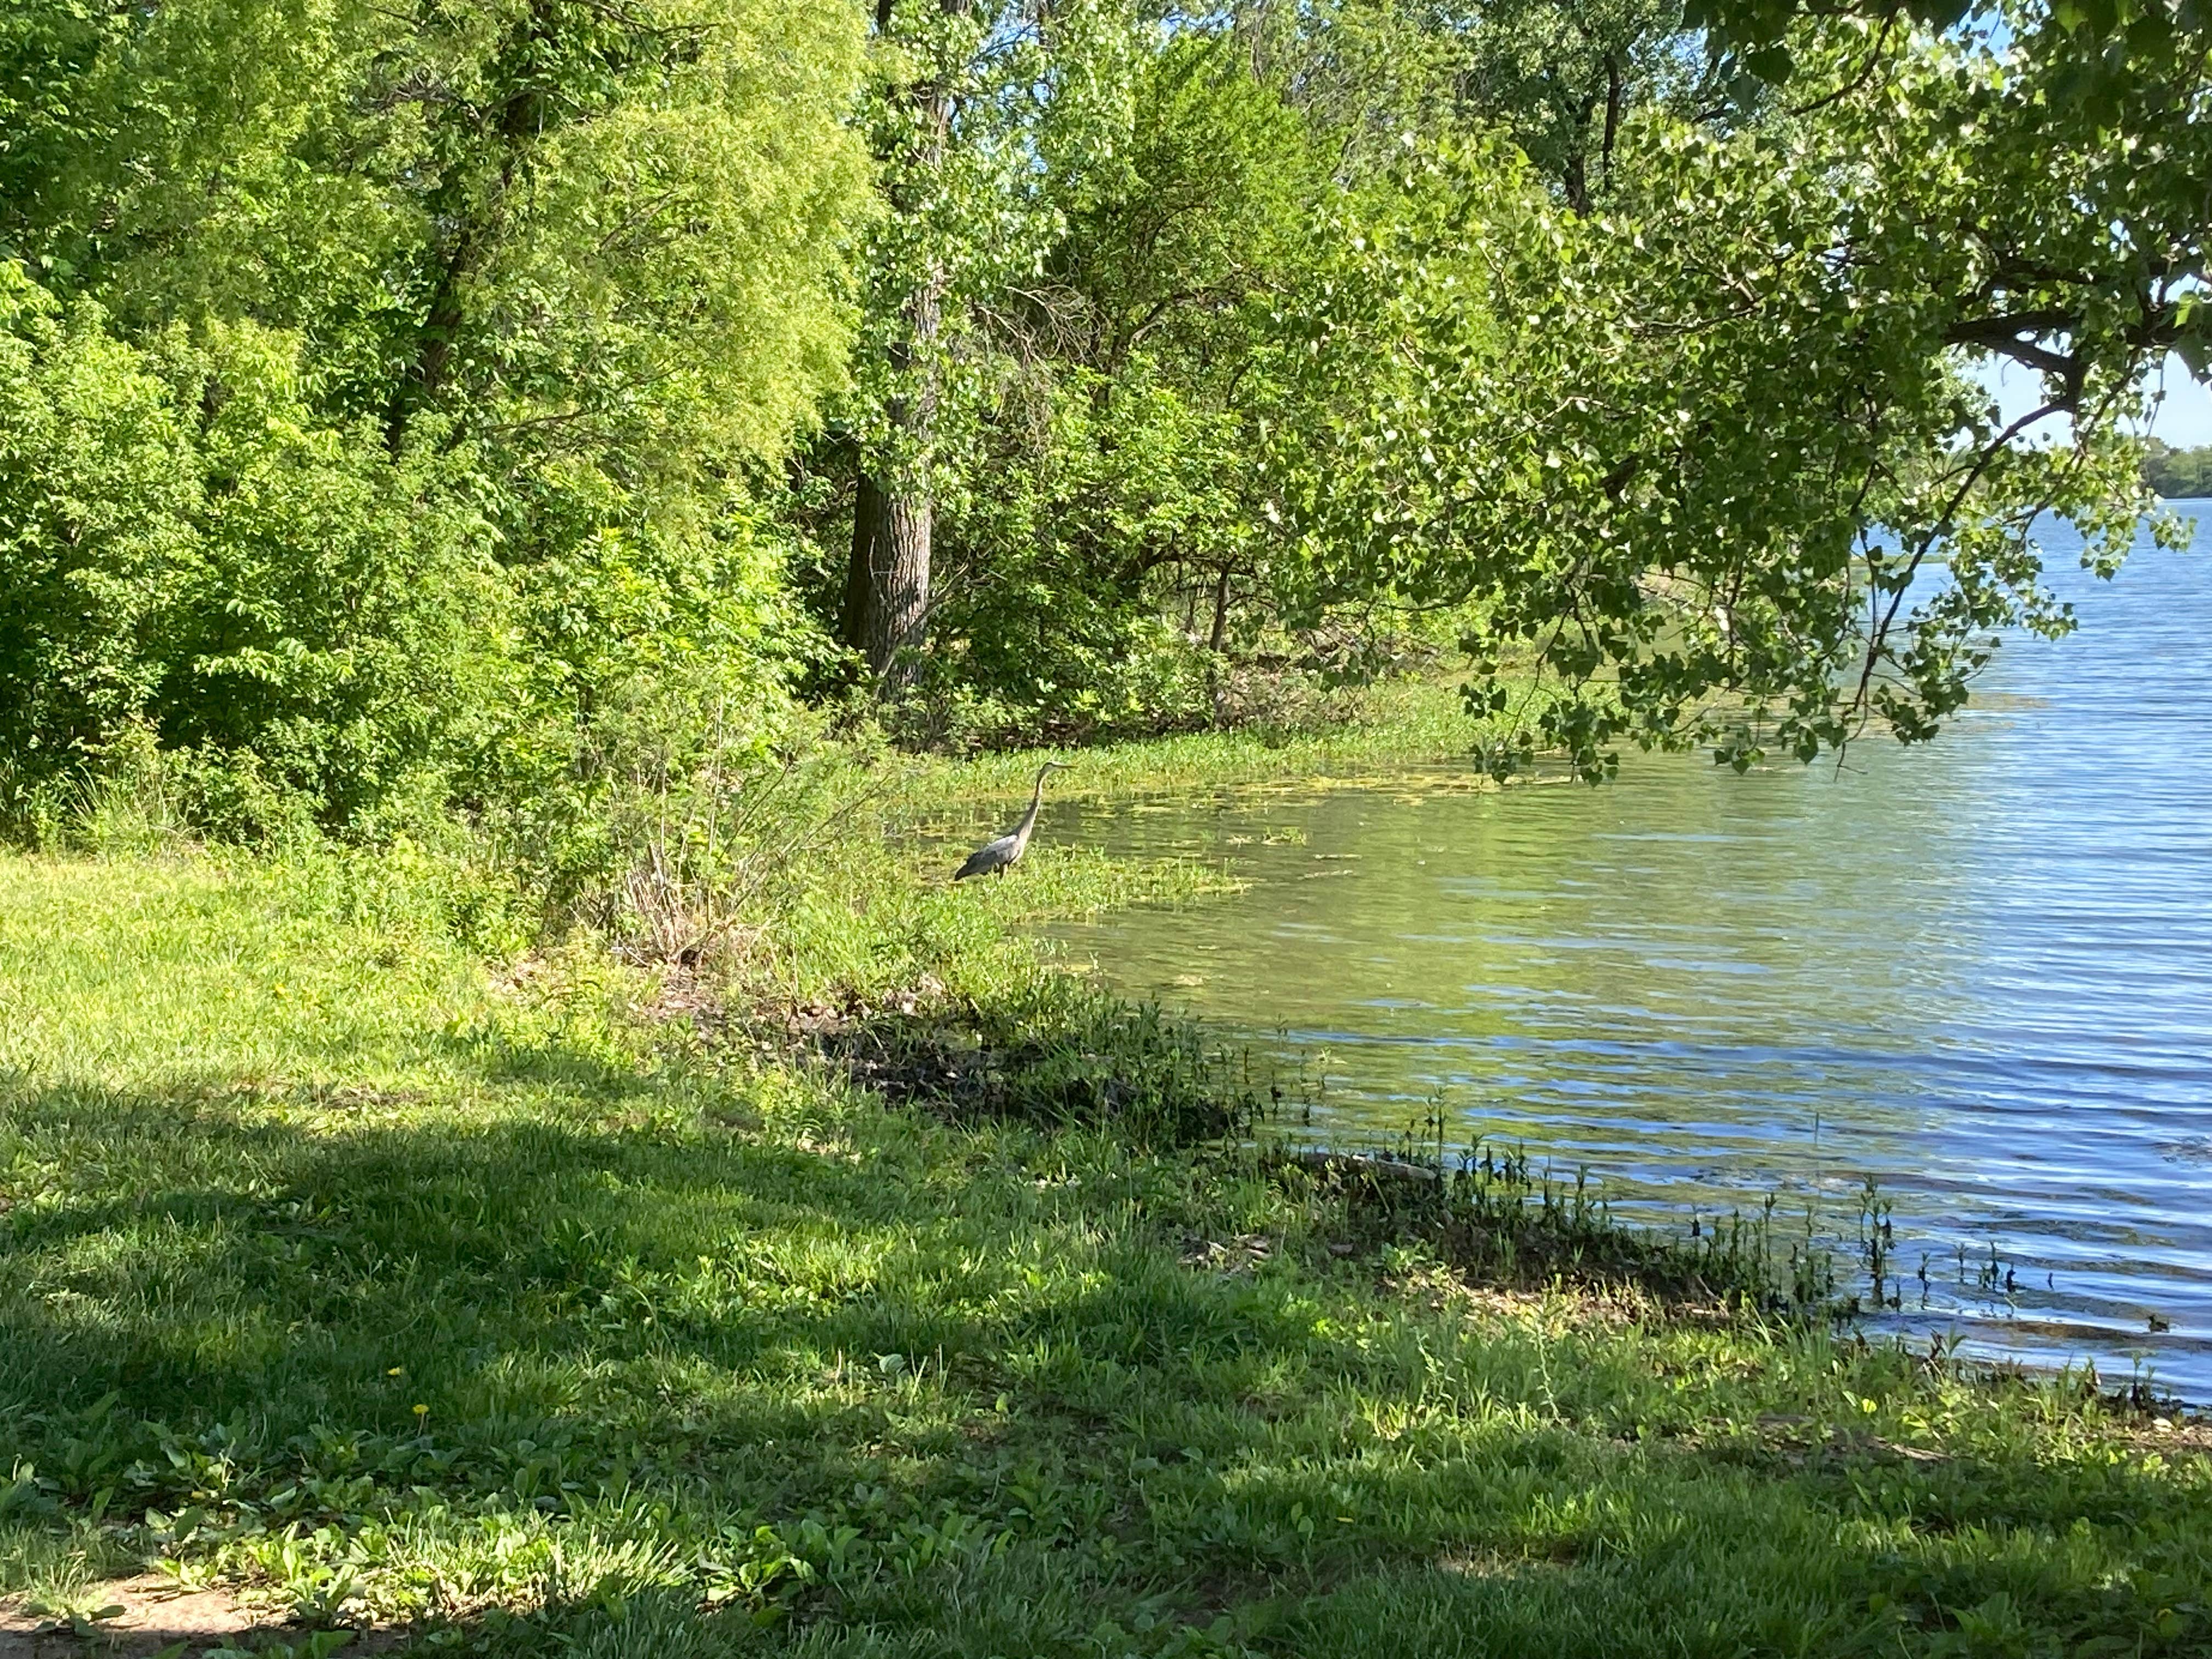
1003,853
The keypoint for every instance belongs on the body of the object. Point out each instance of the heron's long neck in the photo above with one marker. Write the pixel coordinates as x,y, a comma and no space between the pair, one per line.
1029,818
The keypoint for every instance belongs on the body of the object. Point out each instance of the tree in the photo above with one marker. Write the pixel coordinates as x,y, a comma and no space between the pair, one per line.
518,292
985,120
2178,474
1701,454
1122,455
1557,76
886,606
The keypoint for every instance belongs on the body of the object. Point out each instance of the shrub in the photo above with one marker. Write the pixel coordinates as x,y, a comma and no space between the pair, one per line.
310,628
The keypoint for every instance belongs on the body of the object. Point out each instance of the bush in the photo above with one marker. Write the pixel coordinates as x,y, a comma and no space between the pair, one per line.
97,493
307,628
652,691
270,628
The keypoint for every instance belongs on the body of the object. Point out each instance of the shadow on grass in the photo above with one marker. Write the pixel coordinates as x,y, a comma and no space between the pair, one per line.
578,1354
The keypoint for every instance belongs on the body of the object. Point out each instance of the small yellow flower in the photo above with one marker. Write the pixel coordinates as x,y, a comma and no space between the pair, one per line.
422,1411
397,1371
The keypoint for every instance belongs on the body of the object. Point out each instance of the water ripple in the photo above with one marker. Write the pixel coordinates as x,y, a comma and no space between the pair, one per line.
1980,973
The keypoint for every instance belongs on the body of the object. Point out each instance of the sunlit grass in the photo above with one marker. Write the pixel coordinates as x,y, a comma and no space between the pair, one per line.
1396,725
336,1266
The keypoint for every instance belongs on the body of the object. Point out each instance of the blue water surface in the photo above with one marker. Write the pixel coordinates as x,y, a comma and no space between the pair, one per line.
1978,971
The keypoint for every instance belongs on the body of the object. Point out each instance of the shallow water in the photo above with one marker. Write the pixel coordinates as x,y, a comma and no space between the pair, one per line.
1979,972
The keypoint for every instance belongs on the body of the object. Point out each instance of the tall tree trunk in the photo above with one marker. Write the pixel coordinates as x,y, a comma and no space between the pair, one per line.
887,581
521,121
1615,92
887,584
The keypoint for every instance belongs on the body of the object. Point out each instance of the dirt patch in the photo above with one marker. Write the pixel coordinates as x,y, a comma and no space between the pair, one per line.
152,1615
2171,1435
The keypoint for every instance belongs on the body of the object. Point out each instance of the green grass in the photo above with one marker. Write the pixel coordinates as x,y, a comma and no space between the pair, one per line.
337,1268
1408,723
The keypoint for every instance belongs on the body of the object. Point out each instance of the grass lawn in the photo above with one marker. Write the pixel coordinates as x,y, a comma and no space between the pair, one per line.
473,1310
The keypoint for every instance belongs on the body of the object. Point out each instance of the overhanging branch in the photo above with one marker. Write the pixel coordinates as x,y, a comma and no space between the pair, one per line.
2013,335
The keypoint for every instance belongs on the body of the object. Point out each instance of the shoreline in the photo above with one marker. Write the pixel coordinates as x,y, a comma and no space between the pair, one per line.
573,1302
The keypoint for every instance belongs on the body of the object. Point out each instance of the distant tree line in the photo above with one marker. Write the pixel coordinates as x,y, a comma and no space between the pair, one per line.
2178,474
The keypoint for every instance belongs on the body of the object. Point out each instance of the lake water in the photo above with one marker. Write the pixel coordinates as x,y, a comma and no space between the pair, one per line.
1979,971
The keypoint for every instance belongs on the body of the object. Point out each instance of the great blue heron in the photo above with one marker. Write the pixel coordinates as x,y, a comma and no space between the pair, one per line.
997,856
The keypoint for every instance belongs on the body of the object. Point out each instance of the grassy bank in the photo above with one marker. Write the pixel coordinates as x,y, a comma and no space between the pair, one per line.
557,1306
936,807
1393,726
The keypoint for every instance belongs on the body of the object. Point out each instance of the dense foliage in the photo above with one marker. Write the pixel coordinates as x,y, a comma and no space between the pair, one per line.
382,385
1551,329
1674,451
496,406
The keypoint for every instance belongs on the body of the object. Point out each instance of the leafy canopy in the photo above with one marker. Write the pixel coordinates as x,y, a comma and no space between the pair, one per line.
439,326
1708,451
